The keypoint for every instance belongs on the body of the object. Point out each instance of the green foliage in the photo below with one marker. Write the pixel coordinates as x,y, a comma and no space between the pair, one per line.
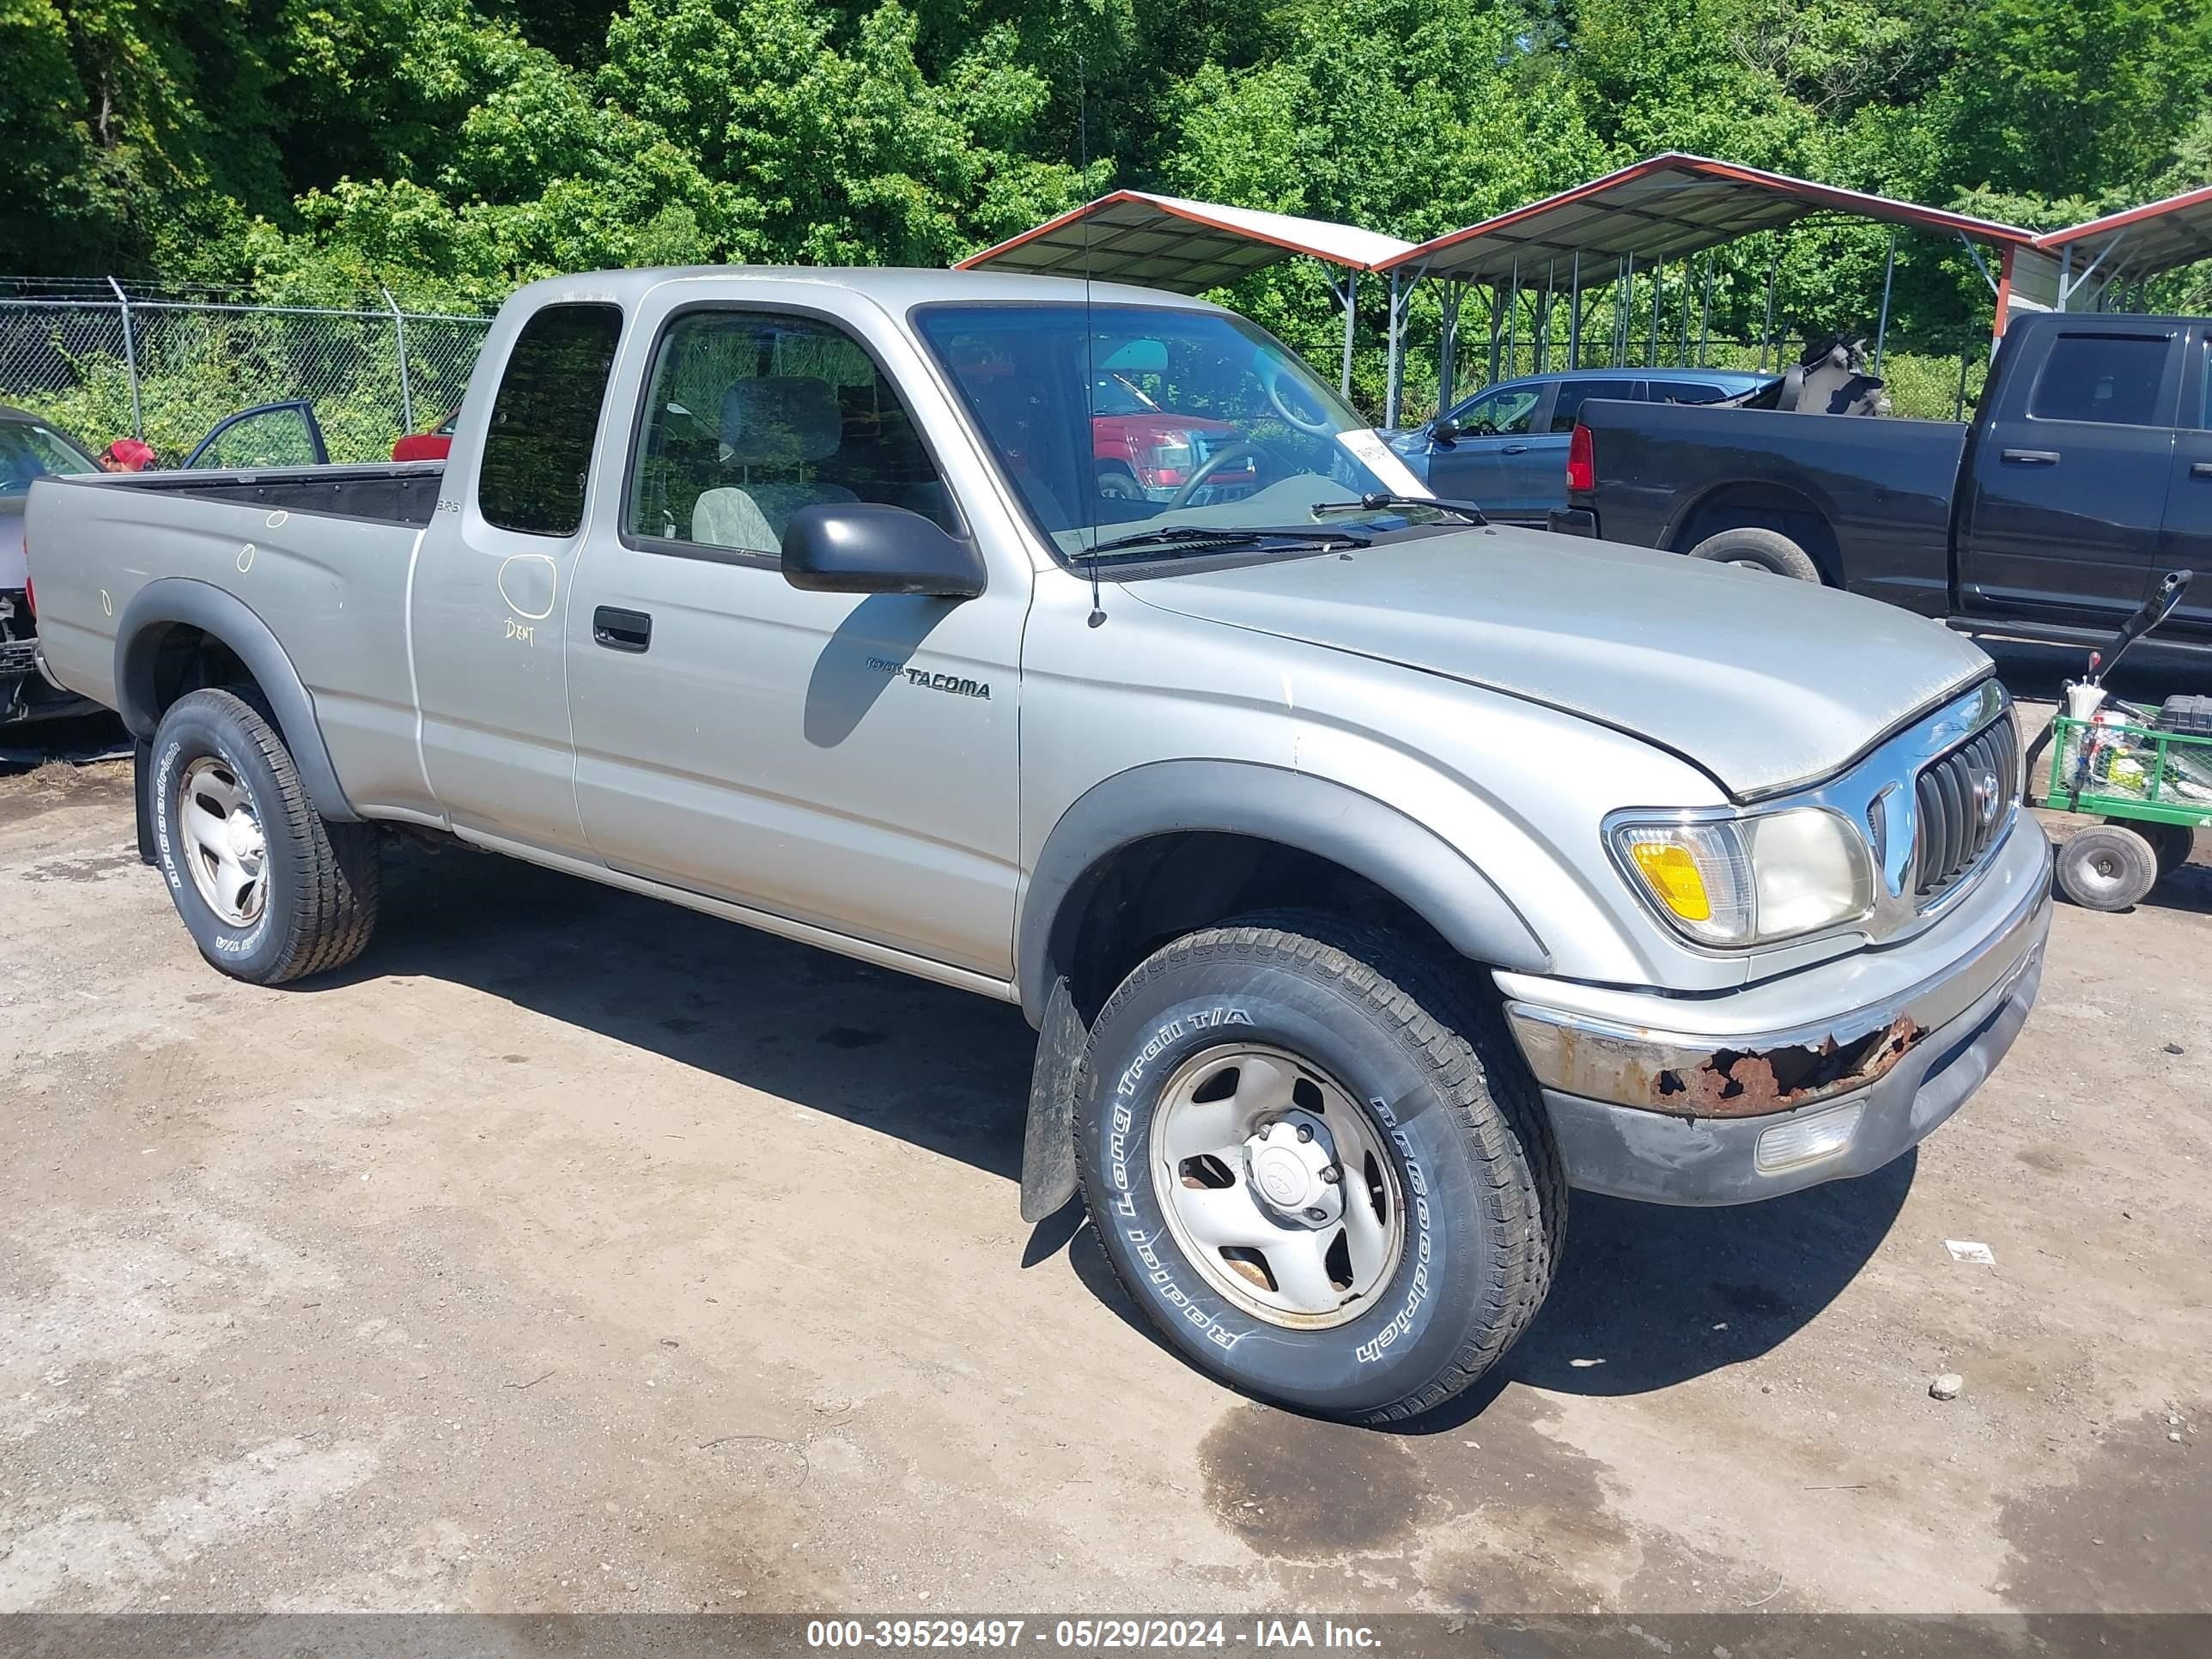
446,150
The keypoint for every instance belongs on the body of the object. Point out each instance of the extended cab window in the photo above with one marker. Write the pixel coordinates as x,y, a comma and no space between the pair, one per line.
538,449
2109,378
752,415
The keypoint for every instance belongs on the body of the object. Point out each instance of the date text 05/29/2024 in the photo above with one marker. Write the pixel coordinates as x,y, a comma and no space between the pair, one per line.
1090,1635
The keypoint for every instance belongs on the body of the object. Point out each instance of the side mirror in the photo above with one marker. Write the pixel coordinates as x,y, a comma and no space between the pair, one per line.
1442,430
865,547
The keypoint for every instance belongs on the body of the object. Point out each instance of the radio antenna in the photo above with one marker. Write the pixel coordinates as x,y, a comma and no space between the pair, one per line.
1090,369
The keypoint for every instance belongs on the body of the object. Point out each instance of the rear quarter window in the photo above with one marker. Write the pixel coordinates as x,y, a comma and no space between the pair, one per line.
537,447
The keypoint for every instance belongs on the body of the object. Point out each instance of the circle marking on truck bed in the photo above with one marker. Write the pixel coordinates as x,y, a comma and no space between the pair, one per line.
276,518
246,558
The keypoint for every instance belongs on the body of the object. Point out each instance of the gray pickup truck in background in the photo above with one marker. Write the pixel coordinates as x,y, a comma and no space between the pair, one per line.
1373,875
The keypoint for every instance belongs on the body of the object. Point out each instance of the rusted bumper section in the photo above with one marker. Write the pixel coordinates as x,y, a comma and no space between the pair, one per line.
1677,1117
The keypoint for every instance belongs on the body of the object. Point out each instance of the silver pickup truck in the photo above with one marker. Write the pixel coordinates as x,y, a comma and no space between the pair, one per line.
1373,875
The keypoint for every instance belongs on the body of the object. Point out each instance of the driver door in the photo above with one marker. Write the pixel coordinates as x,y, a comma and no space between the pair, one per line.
839,760
1494,425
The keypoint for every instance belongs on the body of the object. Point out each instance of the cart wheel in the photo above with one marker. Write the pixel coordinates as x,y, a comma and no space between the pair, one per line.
2108,867
2171,844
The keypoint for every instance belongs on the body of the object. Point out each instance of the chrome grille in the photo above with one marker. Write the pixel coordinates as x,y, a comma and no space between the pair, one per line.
1965,797
18,656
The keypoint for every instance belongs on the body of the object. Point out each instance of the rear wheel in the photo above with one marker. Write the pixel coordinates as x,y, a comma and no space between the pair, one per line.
2107,867
1319,1168
269,890
1750,547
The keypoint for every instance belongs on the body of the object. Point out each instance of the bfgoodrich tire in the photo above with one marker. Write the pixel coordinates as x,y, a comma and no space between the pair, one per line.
1755,548
269,890
1306,1046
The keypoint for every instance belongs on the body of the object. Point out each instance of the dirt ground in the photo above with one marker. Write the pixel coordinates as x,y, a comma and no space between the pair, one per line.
575,1252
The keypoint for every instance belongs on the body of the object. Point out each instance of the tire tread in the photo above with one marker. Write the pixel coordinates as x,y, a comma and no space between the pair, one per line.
1467,1044
337,868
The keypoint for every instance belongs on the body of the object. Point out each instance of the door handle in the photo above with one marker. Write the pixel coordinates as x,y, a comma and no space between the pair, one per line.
2200,469
2031,456
621,630
1515,449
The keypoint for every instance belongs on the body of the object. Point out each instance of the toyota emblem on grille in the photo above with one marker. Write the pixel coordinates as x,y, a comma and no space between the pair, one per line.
1988,798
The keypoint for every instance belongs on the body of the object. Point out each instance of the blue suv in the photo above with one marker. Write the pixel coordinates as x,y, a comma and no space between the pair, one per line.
1508,451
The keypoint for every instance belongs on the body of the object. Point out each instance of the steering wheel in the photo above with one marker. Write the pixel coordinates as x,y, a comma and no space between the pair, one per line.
1243,448
1272,377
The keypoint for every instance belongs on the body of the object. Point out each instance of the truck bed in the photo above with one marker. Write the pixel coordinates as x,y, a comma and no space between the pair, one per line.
320,555
383,493
1670,474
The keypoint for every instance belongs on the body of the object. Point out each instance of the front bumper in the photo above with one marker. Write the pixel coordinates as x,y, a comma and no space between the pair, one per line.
1659,1109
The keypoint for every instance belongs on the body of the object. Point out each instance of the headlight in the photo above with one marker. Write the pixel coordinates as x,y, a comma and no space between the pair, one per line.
1750,880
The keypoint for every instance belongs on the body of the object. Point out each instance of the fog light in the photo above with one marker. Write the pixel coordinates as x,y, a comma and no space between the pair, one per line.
1807,1140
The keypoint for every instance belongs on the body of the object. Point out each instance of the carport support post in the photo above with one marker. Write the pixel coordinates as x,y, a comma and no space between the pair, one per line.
399,337
1351,319
1623,310
1497,322
1888,274
1658,281
1401,303
1766,328
1575,312
1454,291
1705,313
130,361
1513,325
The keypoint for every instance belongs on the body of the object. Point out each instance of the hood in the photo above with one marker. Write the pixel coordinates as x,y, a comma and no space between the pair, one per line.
1763,682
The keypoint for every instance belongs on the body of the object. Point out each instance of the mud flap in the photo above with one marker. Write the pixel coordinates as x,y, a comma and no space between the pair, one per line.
1049,1143
142,792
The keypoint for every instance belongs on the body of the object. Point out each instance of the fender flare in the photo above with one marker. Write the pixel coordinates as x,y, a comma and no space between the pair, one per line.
1294,809
1674,535
224,616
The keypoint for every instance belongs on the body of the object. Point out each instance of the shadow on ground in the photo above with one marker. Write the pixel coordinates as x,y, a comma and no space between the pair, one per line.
944,1069
1646,1297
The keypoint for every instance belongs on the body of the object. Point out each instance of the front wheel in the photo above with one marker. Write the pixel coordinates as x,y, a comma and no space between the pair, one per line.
1319,1165
269,890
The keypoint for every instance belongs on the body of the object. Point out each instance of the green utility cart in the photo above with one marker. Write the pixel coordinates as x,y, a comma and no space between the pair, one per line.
2147,773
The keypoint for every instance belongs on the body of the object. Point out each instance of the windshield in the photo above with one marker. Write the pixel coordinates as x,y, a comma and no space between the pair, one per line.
28,451
1193,419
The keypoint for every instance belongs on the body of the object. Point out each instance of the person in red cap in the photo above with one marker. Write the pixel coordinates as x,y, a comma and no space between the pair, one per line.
127,455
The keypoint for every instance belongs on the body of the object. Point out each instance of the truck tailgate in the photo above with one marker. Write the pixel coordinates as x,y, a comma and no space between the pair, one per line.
1885,485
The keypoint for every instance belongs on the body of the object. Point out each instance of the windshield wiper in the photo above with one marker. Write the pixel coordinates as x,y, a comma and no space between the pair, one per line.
1377,500
1196,536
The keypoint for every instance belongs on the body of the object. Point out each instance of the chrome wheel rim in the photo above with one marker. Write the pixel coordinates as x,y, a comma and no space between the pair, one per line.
1277,1186
224,847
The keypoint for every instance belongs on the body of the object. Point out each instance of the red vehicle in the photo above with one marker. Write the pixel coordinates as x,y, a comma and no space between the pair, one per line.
1145,453
1142,452
431,446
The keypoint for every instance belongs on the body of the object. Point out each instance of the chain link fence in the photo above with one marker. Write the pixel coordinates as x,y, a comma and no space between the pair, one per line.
167,368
